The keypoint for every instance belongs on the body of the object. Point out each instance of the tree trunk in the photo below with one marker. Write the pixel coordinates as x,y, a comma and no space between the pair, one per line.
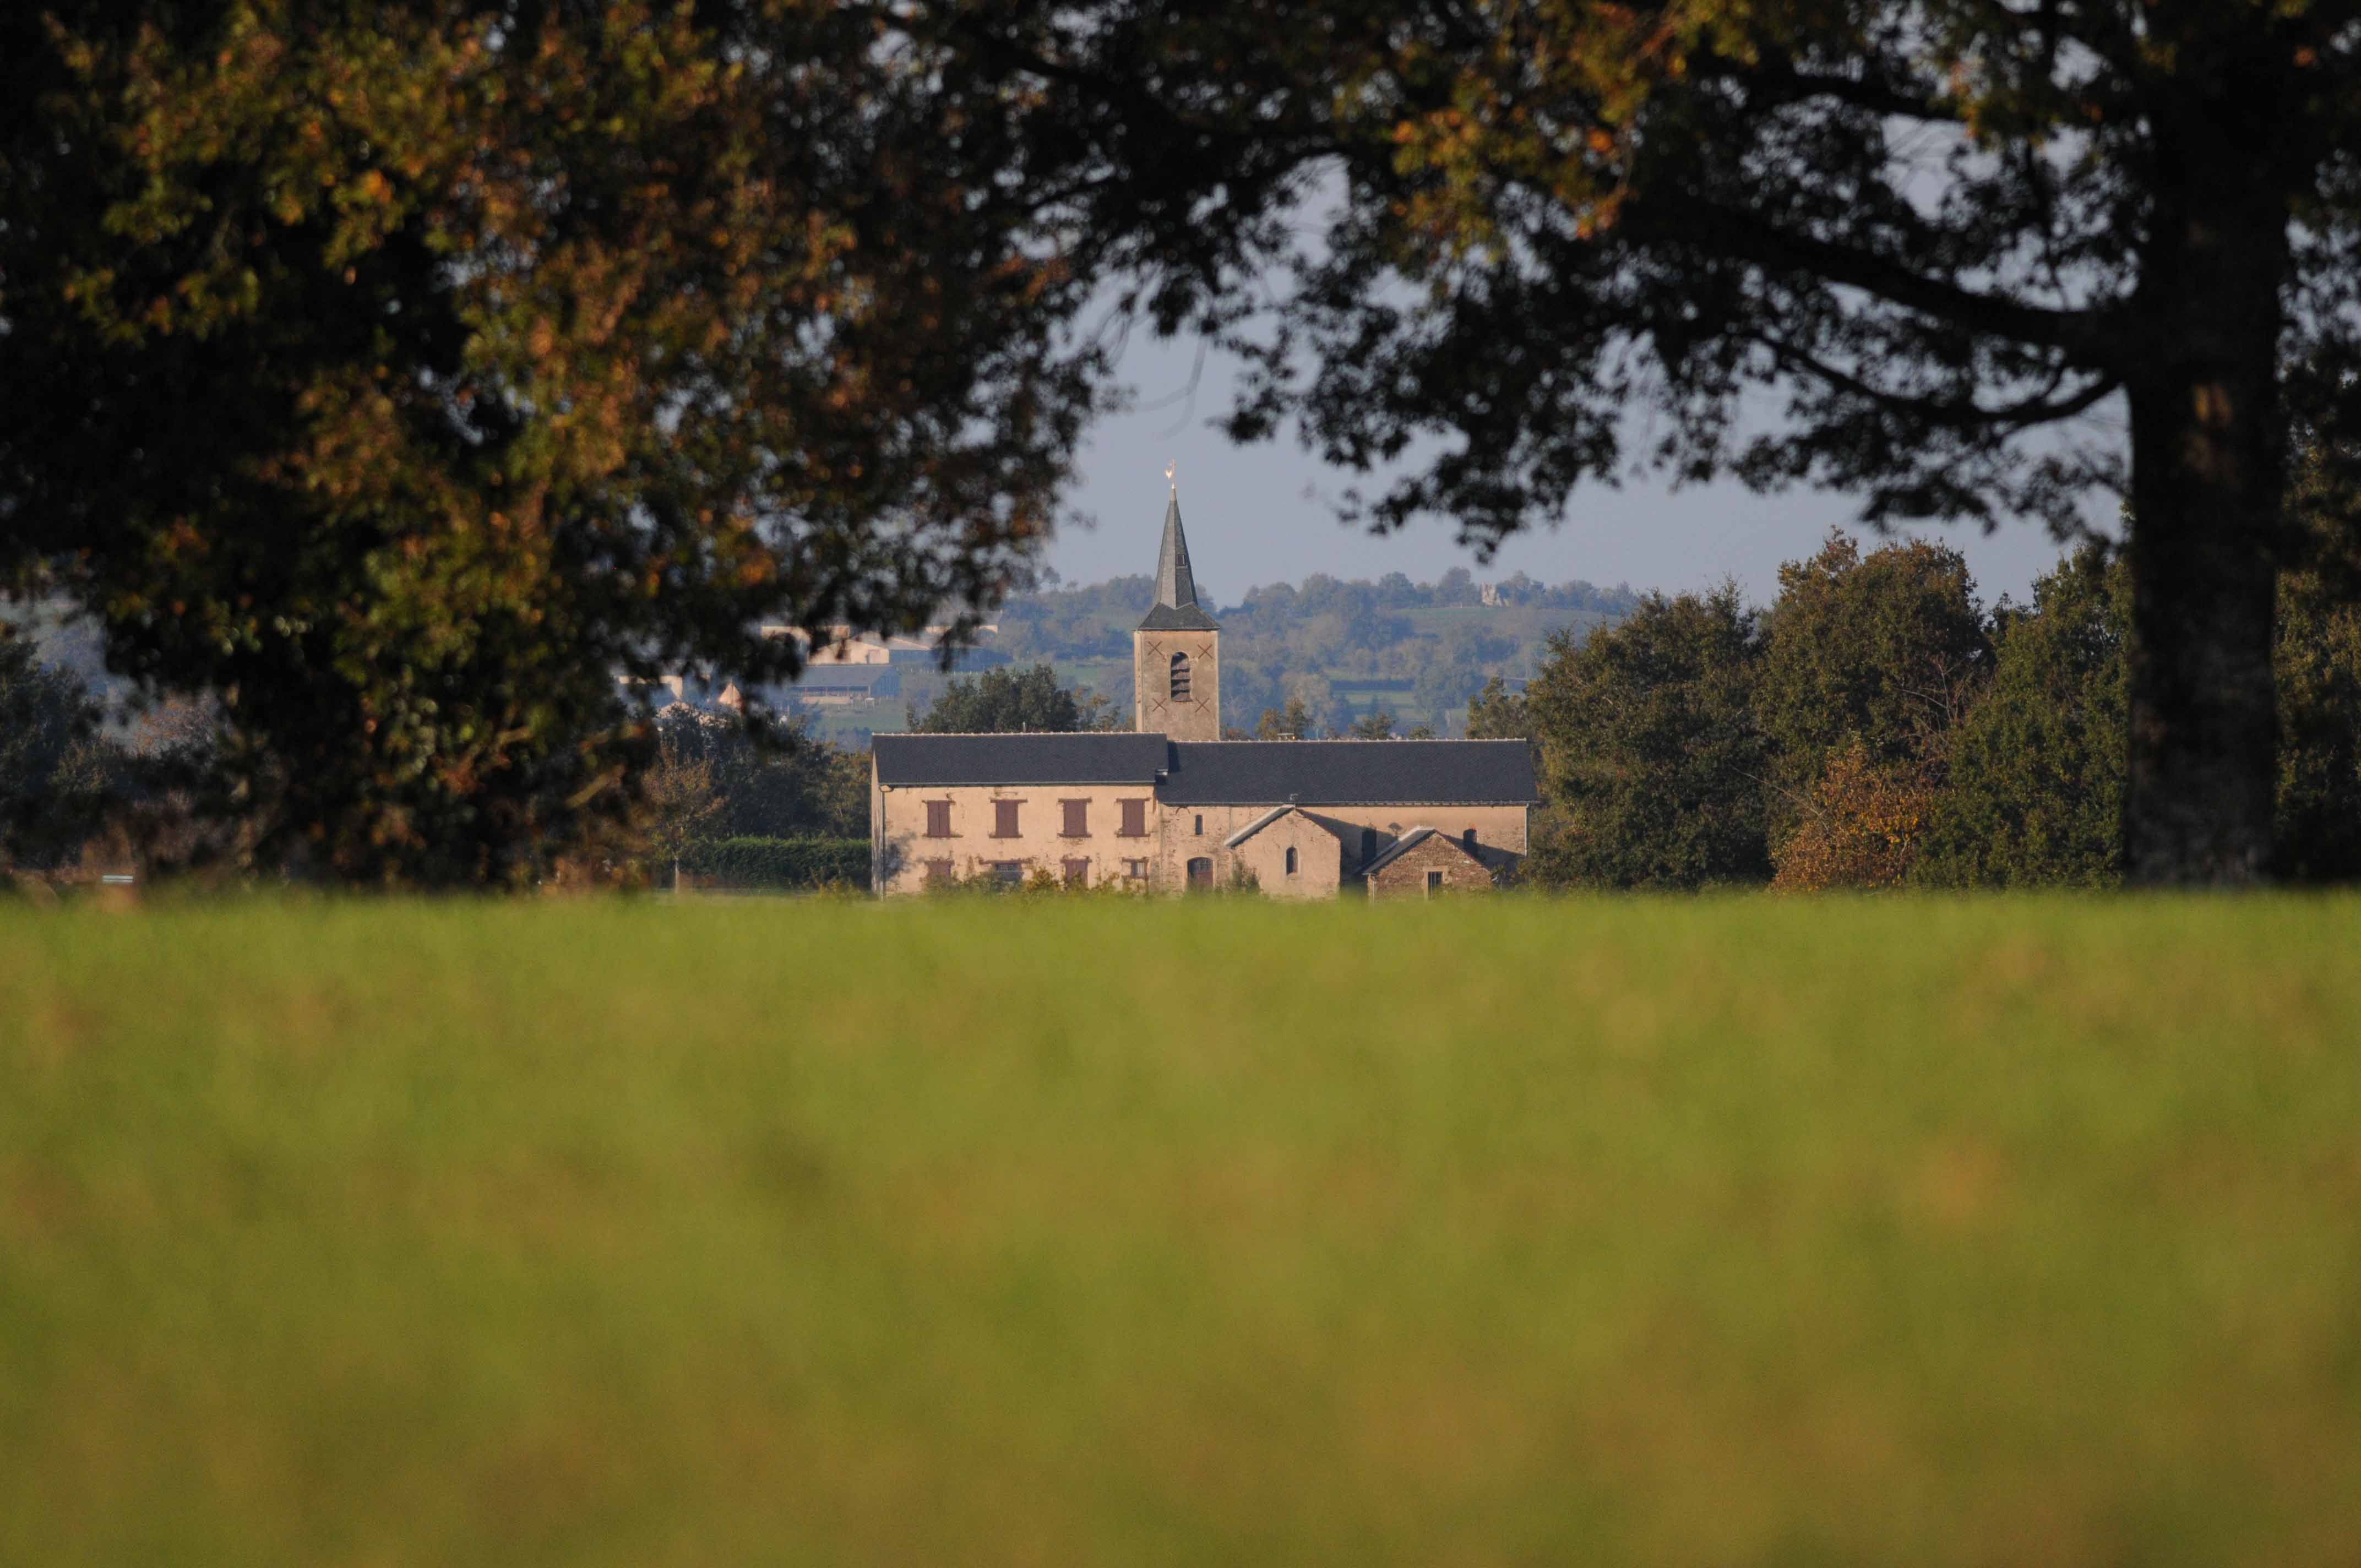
2208,473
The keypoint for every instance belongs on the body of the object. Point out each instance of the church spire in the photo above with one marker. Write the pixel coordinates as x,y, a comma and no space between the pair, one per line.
1176,608
1176,585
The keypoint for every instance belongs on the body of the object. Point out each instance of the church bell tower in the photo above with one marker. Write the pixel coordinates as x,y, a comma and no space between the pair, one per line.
1175,655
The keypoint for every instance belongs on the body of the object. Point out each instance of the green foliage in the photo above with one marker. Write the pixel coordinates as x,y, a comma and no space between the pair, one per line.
1495,713
1650,751
397,377
1936,234
2035,793
775,778
1008,699
1887,650
1646,1232
2036,787
55,773
2319,670
1292,722
782,862
1434,645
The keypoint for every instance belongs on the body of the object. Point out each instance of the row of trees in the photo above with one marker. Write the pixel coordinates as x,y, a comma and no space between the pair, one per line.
1286,641
1030,697
1874,727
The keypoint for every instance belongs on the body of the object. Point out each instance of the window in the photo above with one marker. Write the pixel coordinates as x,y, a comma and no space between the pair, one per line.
1201,824
1004,819
1136,870
1009,873
1078,872
1368,843
939,819
1434,884
1180,677
1135,819
1290,863
938,874
1078,818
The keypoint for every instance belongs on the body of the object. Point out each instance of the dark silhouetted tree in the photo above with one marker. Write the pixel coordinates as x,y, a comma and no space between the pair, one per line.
1944,235
2036,771
1014,699
398,376
1650,755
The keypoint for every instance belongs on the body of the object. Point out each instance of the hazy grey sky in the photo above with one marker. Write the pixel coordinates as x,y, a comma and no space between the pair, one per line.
1250,519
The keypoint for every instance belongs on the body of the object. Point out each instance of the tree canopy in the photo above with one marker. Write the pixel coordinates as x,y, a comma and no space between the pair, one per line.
1942,234
1650,751
1007,699
2036,769
399,376
395,376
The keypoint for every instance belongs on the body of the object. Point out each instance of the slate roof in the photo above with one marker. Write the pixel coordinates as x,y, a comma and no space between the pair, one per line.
1095,757
1224,772
1257,826
1183,617
1350,773
1176,608
1348,834
1409,841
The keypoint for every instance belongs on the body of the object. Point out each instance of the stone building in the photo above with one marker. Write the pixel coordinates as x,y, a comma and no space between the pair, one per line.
1176,659
1171,806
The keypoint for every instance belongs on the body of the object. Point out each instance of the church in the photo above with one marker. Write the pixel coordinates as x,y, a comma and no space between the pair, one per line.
1172,807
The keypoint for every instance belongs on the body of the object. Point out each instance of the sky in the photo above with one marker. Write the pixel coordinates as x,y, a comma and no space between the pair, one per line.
1262,513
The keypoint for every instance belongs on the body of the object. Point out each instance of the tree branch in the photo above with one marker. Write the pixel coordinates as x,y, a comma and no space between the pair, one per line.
1953,413
2084,336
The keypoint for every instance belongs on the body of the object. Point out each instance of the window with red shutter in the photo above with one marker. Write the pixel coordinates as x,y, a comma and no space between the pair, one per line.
938,873
1004,819
1078,818
1135,818
1078,873
939,819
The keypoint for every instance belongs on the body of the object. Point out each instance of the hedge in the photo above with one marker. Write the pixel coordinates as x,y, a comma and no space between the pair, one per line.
781,862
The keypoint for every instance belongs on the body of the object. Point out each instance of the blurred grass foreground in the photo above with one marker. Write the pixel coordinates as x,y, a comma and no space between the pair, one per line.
1105,1232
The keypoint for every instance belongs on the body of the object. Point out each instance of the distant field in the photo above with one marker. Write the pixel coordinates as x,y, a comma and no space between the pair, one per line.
1740,1232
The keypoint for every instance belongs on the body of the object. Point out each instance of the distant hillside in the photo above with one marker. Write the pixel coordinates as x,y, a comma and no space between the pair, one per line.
1418,650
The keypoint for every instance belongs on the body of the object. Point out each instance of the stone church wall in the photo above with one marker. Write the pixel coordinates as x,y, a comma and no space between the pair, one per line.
1319,860
1153,709
1190,832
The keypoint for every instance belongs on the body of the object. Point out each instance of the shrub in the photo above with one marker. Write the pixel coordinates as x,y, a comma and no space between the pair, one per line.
782,862
1861,827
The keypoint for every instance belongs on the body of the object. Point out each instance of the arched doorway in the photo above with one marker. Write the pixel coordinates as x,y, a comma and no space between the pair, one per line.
1201,874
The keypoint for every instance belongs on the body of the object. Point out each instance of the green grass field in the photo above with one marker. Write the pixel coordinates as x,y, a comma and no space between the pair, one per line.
1743,1232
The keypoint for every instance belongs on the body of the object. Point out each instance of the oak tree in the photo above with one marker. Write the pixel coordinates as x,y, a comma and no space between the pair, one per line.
1651,760
1987,258
395,377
